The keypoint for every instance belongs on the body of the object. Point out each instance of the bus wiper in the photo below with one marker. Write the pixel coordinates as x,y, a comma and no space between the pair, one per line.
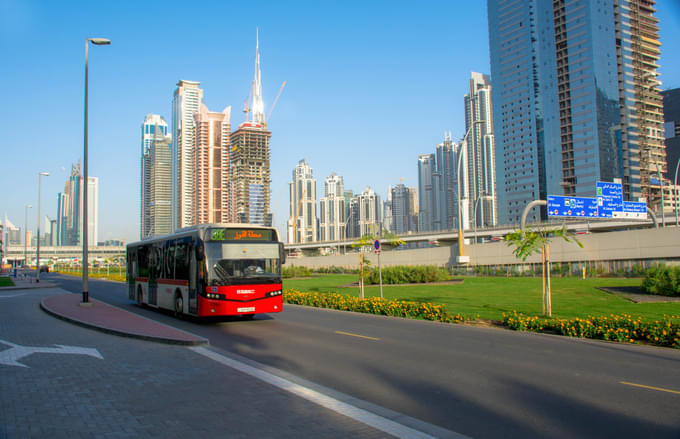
221,272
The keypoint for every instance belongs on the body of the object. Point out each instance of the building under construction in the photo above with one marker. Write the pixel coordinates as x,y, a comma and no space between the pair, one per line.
642,36
250,173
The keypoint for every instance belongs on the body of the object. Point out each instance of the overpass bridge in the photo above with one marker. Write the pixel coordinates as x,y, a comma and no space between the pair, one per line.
62,253
446,238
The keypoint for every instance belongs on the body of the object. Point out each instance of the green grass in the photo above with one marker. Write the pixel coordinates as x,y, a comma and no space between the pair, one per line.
490,297
5,281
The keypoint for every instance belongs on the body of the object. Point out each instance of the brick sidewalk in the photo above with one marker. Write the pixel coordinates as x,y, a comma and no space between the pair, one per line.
102,316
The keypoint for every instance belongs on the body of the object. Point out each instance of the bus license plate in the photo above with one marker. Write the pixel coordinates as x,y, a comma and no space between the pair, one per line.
248,309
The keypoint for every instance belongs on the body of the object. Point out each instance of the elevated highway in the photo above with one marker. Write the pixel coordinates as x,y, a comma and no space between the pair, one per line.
450,237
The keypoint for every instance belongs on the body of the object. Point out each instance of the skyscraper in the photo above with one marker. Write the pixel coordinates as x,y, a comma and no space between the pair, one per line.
571,82
187,101
156,177
438,191
332,209
428,193
302,223
369,212
481,187
401,210
70,209
671,109
250,155
212,194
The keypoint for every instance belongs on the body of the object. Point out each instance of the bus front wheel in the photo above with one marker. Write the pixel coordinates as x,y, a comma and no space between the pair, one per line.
179,303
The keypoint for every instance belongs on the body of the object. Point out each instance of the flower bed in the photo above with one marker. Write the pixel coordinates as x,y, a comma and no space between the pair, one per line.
624,328
375,305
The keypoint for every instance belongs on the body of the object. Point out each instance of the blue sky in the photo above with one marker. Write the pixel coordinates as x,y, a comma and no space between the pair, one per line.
370,85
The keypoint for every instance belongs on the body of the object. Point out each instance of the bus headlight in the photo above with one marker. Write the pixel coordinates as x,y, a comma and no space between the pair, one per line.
274,293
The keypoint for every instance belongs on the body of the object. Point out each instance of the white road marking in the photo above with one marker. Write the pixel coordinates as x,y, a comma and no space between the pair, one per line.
11,356
378,422
5,296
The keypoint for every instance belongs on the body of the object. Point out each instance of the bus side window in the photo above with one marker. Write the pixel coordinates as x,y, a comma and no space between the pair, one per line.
182,262
143,261
170,262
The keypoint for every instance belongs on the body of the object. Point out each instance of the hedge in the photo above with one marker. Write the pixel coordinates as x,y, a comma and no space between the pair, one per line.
623,328
375,305
662,280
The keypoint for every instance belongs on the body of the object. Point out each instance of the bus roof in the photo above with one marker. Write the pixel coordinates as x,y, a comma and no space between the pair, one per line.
184,231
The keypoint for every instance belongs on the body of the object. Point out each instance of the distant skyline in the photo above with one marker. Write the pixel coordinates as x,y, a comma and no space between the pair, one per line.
370,86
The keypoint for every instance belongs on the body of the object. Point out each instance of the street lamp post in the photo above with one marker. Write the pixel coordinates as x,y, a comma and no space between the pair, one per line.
28,206
474,220
675,191
97,42
461,251
344,251
37,240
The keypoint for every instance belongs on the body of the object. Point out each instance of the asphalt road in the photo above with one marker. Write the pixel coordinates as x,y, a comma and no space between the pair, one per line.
481,382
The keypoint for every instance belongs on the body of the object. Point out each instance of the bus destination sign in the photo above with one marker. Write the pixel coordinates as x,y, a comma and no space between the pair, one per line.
240,235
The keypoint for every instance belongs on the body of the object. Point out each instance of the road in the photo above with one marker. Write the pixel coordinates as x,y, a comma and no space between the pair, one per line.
477,381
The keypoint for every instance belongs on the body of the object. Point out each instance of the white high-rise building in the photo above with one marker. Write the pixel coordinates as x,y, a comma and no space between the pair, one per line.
369,212
154,137
302,223
187,101
332,209
481,177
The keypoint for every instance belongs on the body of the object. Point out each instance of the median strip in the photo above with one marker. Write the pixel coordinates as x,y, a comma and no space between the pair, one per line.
659,389
356,335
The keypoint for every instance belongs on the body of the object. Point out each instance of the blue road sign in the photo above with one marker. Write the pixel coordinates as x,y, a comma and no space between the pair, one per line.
634,210
609,199
579,207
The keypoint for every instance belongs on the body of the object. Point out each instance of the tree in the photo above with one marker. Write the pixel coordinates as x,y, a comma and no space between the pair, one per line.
528,242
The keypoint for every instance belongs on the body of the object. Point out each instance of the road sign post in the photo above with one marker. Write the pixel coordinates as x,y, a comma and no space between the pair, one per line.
376,245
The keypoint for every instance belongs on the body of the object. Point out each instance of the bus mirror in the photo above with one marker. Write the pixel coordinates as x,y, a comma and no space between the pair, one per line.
200,252
282,252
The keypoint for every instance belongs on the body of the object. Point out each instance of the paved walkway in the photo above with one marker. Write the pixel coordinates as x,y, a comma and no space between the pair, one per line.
111,319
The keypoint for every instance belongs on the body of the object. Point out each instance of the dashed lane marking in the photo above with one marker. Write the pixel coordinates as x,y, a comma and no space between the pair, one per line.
658,389
356,335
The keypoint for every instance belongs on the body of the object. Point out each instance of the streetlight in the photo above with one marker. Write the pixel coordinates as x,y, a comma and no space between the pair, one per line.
658,176
474,221
28,206
97,42
351,212
37,241
675,192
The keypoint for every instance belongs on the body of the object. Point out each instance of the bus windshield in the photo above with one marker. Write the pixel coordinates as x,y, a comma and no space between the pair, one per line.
239,263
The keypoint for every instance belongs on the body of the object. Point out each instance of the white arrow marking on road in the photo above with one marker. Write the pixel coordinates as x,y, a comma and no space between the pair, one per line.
11,356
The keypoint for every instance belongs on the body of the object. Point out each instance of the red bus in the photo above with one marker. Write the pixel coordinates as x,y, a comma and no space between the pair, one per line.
209,270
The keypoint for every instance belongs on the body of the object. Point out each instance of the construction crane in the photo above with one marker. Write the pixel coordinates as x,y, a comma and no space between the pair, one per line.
274,104
246,103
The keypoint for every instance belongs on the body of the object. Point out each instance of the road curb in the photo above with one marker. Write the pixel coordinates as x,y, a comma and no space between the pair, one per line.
197,341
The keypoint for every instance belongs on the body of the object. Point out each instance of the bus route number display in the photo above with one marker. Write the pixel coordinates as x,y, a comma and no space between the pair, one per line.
240,235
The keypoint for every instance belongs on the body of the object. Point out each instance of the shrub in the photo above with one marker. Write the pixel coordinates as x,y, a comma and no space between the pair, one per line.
662,280
402,274
375,305
624,328
295,271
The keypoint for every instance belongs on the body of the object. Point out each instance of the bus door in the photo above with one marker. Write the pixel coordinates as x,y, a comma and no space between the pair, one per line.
193,283
154,274
131,273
